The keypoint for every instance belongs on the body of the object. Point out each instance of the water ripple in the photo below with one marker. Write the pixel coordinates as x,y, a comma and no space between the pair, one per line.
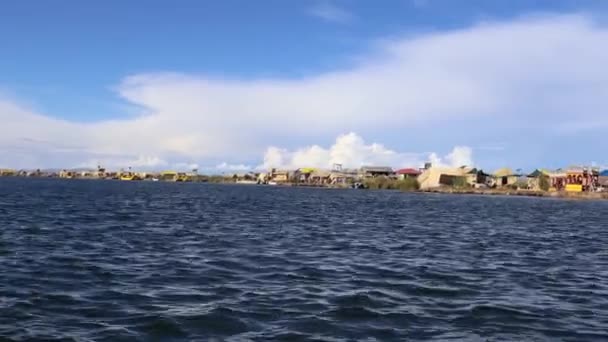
122,261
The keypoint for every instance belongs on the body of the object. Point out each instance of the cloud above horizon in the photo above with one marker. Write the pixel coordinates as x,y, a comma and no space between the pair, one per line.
516,81
351,151
330,12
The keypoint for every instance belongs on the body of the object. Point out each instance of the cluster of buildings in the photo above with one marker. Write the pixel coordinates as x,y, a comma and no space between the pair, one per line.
336,176
572,179
102,173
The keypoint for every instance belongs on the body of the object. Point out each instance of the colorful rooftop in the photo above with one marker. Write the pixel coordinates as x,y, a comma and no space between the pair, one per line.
408,171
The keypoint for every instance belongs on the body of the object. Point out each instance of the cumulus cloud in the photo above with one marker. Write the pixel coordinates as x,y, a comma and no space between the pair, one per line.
519,80
351,151
460,156
331,12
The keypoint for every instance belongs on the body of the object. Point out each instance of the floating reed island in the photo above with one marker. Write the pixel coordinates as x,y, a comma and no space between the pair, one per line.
571,182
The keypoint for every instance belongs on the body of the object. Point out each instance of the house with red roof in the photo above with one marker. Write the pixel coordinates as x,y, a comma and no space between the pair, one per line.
407,173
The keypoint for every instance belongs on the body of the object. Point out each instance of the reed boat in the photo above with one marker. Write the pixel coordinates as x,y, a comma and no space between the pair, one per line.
182,177
128,176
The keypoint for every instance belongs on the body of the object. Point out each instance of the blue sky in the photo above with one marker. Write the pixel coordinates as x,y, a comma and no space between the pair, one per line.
89,64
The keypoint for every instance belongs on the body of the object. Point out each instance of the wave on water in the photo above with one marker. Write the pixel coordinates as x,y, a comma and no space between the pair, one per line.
122,261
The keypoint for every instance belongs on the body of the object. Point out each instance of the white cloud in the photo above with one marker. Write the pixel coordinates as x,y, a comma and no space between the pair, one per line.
331,13
351,151
146,161
232,167
518,80
459,156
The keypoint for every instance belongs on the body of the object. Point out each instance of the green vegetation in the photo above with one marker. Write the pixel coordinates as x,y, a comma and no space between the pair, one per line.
217,179
543,183
375,183
199,178
409,184
381,183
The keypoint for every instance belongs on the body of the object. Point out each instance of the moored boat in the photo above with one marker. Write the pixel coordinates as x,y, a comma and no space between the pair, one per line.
128,176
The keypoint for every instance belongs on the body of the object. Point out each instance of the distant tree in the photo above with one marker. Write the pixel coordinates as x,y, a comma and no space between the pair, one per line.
543,183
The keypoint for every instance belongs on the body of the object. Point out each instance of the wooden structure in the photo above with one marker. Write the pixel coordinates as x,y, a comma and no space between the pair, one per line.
376,171
582,179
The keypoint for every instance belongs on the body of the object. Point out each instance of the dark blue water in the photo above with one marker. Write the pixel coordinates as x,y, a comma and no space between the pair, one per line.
123,261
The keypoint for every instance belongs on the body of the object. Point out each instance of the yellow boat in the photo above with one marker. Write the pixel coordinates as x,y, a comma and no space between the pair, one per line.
128,176
182,177
173,176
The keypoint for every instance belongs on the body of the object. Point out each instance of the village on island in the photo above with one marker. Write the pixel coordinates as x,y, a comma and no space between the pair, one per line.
430,178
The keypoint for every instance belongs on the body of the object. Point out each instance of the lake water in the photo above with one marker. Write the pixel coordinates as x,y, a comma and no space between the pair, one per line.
128,261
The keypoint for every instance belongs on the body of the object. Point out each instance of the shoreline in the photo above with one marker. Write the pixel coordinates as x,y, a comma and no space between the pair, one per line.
444,190
522,193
